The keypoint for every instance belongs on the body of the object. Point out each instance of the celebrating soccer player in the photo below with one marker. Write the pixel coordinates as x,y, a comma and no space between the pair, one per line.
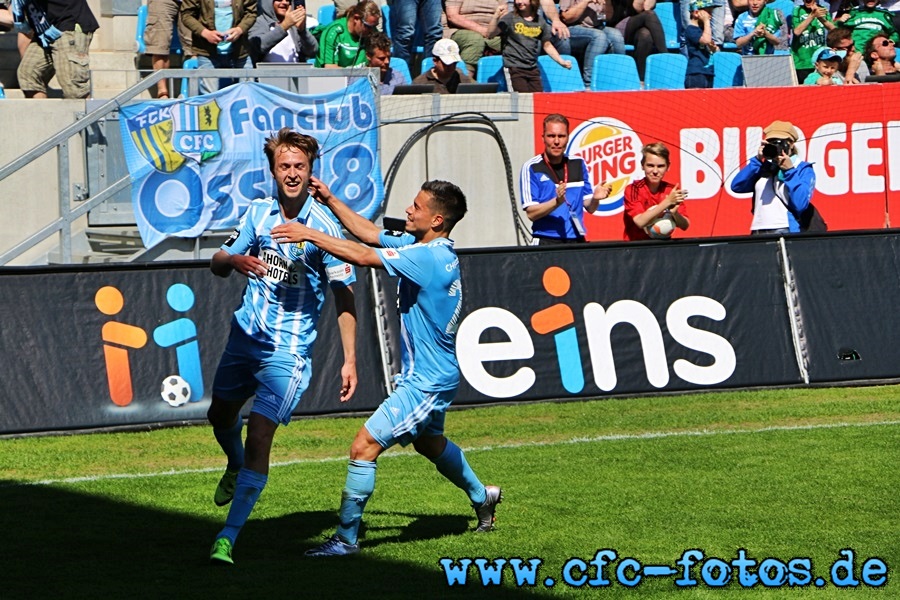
272,332
430,300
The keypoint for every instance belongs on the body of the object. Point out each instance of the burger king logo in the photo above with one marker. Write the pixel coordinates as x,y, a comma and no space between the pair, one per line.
611,151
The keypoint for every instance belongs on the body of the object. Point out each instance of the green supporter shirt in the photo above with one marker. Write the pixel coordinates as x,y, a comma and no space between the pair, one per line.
337,46
865,23
803,46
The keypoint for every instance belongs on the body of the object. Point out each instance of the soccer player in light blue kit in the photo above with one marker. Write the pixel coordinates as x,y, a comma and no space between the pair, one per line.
273,330
430,300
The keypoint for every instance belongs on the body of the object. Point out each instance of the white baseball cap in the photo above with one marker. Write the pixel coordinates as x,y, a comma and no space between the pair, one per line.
446,50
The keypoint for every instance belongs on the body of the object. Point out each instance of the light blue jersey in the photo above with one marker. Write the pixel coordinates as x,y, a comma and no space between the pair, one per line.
429,302
281,309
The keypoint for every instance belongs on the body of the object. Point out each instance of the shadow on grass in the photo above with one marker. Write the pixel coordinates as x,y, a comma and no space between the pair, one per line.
62,544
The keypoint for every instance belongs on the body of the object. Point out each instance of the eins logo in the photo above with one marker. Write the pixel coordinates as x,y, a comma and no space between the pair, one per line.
559,320
610,149
121,340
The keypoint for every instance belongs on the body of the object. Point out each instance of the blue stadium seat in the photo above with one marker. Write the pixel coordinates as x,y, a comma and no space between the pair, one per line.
398,64
174,48
490,70
191,63
556,78
614,72
669,14
325,14
665,71
141,26
386,20
728,71
428,62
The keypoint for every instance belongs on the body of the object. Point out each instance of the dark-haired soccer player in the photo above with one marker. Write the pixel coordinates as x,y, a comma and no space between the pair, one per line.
430,300
272,332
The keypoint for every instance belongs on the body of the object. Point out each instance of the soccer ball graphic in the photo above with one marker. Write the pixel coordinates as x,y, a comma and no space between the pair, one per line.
175,390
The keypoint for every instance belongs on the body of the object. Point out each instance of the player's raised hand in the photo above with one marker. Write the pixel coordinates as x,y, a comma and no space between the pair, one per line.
319,190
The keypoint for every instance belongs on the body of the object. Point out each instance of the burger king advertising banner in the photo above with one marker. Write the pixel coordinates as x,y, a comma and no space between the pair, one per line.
851,134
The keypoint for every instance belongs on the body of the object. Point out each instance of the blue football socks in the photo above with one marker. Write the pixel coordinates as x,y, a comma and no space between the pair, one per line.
248,487
357,490
232,444
452,465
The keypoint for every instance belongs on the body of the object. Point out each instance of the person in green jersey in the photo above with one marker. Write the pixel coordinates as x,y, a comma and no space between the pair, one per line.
340,42
866,20
812,22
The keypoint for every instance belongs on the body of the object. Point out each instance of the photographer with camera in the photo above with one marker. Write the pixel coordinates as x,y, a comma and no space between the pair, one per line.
782,185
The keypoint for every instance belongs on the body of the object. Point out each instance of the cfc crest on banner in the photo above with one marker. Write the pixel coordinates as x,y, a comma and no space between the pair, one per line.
166,136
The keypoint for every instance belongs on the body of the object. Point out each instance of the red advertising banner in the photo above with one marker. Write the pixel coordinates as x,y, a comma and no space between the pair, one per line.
851,134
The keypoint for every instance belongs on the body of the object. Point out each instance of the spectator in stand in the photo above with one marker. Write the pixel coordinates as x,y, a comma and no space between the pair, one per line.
782,185
652,198
467,24
641,28
700,45
759,30
444,75
881,53
853,68
162,17
716,23
866,20
589,36
61,38
340,42
219,36
405,14
827,63
378,56
282,34
523,33
812,23
556,189
732,10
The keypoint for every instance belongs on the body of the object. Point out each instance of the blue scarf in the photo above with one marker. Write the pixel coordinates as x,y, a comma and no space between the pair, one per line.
27,16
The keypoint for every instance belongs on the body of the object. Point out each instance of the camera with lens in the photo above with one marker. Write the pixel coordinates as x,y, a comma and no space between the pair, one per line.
774,148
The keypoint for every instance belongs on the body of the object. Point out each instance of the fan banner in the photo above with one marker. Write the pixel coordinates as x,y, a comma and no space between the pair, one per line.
196,163
855,152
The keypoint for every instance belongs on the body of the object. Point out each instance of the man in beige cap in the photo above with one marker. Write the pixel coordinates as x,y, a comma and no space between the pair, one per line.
444,75
782,185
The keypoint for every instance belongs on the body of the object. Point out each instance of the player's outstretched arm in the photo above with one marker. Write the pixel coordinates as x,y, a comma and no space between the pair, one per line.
363,229
351,252
346,317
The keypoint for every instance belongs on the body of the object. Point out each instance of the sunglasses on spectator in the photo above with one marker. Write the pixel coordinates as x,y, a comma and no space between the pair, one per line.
887,43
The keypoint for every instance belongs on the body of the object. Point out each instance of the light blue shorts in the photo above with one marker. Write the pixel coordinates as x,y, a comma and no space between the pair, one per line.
407,414
277,377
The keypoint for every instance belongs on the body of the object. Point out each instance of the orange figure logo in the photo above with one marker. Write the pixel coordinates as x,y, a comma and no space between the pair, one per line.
117,339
